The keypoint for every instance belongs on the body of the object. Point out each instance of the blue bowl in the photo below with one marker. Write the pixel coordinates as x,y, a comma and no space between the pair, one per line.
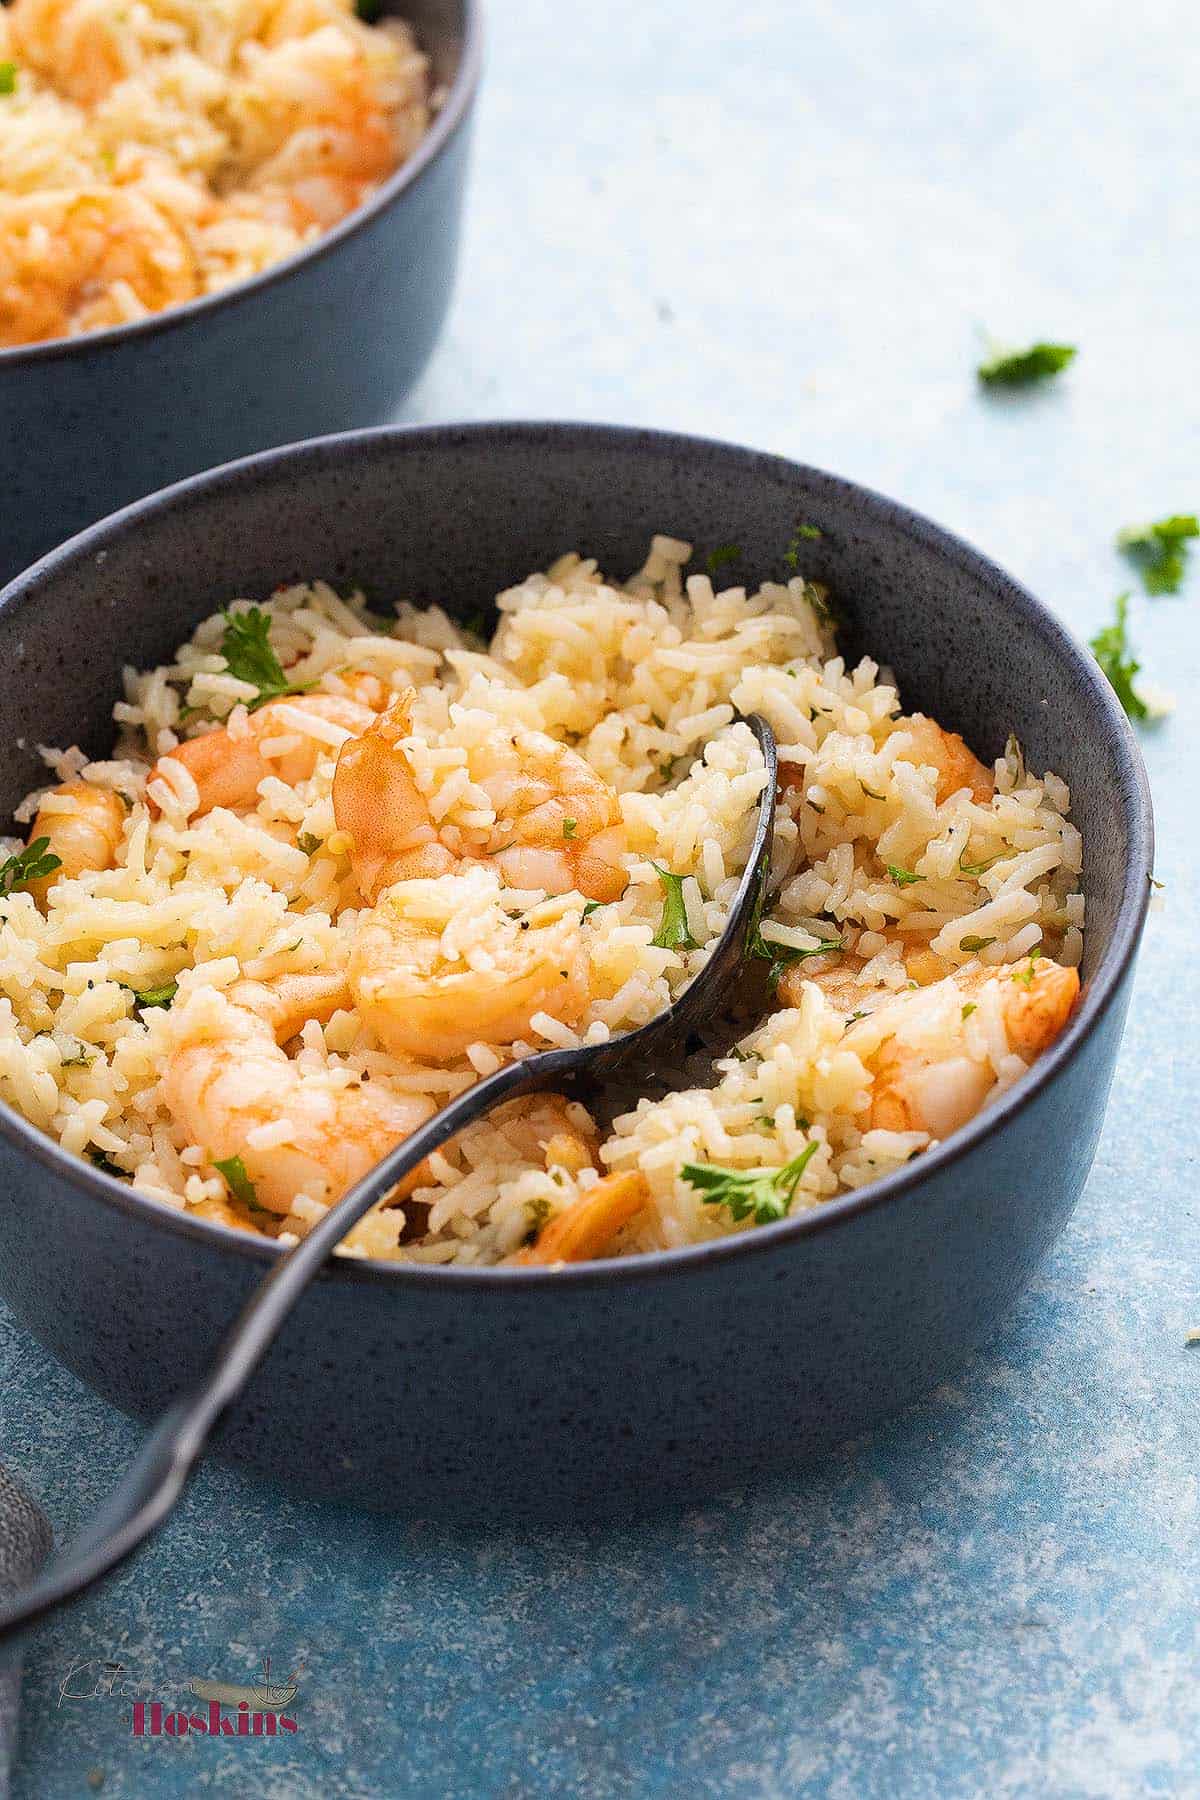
624,1383
331,338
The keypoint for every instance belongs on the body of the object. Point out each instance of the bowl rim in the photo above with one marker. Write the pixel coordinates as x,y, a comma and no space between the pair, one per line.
842,1209
447,121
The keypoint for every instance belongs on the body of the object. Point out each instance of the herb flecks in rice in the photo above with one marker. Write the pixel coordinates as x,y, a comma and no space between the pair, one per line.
206,910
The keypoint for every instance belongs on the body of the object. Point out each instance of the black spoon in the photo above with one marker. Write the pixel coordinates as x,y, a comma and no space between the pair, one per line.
157,1477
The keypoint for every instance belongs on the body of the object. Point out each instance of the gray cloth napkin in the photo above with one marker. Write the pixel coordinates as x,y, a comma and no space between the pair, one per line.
25,1541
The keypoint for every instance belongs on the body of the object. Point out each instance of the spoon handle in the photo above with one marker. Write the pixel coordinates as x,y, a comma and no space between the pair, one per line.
157,1476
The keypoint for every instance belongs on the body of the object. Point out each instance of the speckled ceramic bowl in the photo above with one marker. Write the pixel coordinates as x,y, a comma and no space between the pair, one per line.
328,339
542,1392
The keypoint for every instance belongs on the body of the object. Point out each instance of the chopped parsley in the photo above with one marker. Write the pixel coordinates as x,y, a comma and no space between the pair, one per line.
538,1211
802,534
80,1058
591,906
975,943
98,1160
8,77
781,956
237,1181
980,868
673,932
1160,550
968,1009
246,647
1025,975
147,998
718,558
308,843
765,1194
903,877
570,827
1021,368
27,865
1113,652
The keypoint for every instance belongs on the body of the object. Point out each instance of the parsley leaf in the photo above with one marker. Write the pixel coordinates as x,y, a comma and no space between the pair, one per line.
154,996
764,1193
1160,550
308,843
975,943
237,1181
98,1160
1113,652
902,877
246,647
26,865
80,1058
570,827
8,77
968,1009
802,534
673,932
716,559
591,906
1025,975
1020,368
781,956
980,868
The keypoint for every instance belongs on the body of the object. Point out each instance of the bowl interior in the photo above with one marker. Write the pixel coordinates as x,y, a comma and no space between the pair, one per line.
454,514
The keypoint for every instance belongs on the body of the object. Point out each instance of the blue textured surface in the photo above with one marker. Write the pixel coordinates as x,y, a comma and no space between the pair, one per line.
783,224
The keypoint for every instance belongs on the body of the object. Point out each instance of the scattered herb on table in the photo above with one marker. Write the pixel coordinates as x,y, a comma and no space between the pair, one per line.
673,932
1161,550
1112,650
764,1193
246,647
27,865
1021,368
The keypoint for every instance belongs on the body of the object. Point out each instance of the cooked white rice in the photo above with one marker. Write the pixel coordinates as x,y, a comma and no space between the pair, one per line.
643,679
152,151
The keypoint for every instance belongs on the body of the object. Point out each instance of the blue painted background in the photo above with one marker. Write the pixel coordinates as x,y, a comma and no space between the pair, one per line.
784,222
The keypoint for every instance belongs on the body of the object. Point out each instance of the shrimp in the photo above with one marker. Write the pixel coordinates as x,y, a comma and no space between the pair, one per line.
228,769
556,828
224,1090
557,823
586,1227
290,1001
915,1092
75,45
84,824
946,752
74,260
320,128
423,996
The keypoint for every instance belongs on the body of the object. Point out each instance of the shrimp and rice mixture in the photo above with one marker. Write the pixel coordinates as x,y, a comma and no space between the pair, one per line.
339,866
152,151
